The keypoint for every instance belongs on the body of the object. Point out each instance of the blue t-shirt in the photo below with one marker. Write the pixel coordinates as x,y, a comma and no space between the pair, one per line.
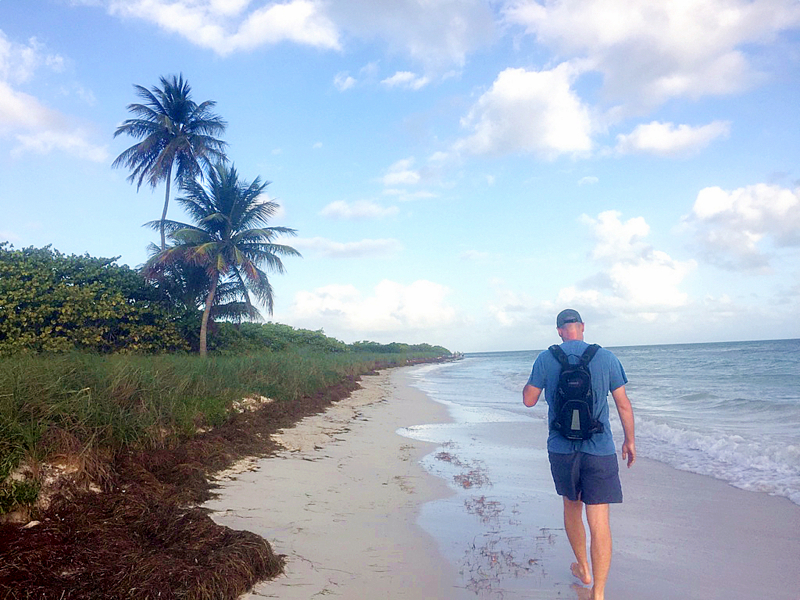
607,375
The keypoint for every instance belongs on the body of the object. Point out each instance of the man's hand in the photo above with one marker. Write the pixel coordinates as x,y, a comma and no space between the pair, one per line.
629,452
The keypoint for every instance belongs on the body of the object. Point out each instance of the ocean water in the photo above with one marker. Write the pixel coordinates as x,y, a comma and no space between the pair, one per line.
726,410
729,411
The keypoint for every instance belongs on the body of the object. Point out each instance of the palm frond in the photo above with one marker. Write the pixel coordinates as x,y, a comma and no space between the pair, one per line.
236,312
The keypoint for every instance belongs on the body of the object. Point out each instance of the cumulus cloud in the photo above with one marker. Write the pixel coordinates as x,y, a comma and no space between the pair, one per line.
391,308
72,141
343,81
33,127
650,51
362,209
635,277
362,249
434,34
512,309
19,62
227,27
533,112
616,240
665,139
739,229
402,173
407,80
629,278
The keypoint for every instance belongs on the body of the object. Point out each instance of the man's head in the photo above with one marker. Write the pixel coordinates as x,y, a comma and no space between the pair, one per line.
569,325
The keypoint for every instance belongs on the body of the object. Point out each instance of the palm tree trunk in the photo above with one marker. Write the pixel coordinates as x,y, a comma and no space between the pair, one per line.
207,313
164,213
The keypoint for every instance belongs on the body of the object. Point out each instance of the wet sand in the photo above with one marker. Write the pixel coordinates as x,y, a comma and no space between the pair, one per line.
349,504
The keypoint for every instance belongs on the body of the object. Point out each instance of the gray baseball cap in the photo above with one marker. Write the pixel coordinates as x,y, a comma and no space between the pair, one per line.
568,316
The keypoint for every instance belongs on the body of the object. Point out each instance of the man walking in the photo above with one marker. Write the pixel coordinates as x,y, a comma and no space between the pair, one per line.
585,471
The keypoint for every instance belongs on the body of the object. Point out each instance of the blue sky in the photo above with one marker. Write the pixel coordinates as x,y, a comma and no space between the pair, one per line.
457,170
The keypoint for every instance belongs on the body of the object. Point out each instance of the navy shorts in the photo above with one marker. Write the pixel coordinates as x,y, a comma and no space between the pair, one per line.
586,477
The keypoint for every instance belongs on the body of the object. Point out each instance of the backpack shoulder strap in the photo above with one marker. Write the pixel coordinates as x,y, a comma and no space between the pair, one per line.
589,353
560,356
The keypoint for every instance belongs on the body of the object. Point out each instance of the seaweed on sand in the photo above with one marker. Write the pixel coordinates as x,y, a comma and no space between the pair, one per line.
143,535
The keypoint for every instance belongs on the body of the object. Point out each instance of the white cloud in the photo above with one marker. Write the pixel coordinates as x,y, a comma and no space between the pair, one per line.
362,249
24,119
531,112
19,62
737,229
664,139
403,195
588,180
436,34
615,240
649,51
631,279
401,173
73,142
406,79
228,27
391,309
635,277
512,309
362,209
343,81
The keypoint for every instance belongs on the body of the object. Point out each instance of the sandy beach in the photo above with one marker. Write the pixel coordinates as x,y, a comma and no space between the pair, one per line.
358,516
342,501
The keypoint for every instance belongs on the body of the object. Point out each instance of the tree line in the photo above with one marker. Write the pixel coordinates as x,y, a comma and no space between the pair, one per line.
54,303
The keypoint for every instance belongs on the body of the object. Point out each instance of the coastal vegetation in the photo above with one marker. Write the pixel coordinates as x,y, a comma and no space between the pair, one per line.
123,390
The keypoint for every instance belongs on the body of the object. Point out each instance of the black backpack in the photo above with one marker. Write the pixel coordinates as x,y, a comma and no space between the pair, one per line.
574,399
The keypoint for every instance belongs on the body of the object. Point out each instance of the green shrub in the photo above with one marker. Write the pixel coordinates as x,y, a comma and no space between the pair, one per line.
50,302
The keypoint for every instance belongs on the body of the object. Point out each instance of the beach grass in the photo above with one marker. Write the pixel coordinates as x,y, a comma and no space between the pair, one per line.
138,438
78,403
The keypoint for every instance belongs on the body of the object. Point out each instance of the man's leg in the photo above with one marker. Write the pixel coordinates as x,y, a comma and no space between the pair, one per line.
576,533
600,530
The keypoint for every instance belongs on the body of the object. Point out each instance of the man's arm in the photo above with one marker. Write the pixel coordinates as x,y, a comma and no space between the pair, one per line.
530,395
625,411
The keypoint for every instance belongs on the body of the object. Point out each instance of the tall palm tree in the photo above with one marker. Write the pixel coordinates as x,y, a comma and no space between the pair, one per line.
229,239
175,132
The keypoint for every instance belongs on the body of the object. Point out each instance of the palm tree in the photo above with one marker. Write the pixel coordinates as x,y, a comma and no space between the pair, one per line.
229,239
175,132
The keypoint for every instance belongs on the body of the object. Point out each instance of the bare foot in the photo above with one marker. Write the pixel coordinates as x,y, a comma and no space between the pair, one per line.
581,573
581,593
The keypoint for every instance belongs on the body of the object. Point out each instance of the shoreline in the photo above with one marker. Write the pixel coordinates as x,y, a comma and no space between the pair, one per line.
349,494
